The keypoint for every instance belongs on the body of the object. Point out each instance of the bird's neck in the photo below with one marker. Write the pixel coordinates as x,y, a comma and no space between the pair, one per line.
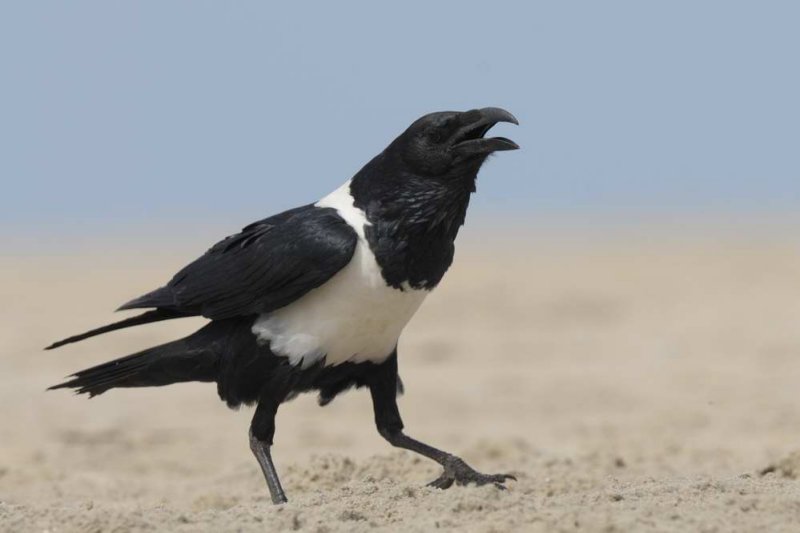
414,221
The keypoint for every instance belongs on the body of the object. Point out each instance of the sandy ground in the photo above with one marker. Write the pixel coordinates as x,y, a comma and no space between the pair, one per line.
631,386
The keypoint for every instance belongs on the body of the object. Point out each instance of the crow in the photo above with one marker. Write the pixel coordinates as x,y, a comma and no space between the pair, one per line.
315,298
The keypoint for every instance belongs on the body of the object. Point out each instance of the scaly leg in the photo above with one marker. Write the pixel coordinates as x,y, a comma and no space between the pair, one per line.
383,388
262,430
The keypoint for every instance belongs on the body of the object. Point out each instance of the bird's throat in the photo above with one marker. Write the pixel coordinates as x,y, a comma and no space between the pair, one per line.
413,224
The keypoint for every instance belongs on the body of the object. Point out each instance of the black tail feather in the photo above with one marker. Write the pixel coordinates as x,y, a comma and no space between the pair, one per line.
155,315
169,363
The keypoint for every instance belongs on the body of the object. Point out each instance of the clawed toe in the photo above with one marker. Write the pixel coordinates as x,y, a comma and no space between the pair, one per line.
458,472
442,482
498,480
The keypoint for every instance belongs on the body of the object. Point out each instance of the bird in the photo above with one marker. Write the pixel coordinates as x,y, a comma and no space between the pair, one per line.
314,299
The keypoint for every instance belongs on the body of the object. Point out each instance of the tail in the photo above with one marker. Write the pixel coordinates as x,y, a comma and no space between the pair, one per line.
189,359
155,315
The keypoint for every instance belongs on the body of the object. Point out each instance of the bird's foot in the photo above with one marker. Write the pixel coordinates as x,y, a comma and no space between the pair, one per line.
458,472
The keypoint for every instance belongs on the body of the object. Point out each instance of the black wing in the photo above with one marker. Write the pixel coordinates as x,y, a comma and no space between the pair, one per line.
268,265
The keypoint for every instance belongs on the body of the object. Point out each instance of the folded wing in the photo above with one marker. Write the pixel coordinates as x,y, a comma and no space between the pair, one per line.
268,265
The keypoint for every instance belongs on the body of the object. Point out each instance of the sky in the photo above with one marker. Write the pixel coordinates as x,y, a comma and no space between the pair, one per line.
121,115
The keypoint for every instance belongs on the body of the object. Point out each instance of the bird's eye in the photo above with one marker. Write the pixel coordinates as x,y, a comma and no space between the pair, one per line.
435,135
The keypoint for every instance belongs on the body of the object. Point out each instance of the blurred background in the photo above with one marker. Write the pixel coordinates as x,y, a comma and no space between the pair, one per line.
624,301
171,115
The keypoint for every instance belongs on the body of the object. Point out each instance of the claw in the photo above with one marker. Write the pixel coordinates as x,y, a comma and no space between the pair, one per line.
459,472
442,482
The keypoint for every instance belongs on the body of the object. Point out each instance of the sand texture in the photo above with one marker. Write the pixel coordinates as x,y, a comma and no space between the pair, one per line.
630,386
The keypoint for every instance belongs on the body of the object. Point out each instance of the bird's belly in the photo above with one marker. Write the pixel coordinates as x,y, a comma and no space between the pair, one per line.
355,317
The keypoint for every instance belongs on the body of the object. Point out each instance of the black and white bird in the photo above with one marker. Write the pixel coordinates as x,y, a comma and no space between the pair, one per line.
315,298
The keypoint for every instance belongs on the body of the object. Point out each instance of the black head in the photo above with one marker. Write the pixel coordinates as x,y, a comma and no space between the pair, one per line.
416,192
450,142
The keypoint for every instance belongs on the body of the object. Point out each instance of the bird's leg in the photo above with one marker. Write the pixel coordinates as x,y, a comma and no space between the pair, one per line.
383,388
262,430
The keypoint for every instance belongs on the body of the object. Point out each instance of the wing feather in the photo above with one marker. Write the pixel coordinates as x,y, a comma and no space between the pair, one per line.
268,265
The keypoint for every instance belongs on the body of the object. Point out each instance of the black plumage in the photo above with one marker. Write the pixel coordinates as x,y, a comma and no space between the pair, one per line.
267,265
314,298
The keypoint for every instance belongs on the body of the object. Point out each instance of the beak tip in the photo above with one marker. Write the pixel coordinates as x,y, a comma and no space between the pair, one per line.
500,115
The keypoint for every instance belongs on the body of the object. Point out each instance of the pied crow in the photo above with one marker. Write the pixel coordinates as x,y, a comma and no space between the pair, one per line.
315,298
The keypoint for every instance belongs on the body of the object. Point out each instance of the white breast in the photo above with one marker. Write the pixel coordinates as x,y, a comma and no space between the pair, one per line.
355,316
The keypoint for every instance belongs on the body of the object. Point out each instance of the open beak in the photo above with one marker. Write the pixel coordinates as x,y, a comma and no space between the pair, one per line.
470,140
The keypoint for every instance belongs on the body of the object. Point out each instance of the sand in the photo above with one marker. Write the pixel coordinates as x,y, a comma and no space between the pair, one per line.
630,385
